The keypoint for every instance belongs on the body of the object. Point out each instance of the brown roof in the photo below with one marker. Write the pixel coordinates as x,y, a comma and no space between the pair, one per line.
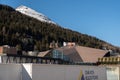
71,53
90,54
83,54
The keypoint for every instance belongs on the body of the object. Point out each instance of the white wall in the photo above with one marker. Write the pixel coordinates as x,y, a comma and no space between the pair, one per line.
27,72
48,72
112,72
67,72
51,72
10,72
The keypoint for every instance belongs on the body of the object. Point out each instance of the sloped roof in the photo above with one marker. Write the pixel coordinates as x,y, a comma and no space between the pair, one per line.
90,54
82,54
71,53
43,54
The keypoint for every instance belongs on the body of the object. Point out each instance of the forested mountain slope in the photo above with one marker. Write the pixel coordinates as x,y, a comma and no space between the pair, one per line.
29,33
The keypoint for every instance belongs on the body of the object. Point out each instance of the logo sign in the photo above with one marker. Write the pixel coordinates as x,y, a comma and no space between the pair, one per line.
87,75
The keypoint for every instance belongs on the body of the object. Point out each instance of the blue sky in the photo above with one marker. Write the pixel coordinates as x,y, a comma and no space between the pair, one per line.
99,18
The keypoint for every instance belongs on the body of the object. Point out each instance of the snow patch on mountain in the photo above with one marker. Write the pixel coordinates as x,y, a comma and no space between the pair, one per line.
32,13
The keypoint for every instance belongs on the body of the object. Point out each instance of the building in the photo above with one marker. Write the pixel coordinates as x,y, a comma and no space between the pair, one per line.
77,54
70,44
44,53
112,60
7,50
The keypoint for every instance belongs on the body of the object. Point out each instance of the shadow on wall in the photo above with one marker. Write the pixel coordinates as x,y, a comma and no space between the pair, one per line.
25,74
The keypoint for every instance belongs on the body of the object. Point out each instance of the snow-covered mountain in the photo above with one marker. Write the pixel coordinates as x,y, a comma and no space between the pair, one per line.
32,13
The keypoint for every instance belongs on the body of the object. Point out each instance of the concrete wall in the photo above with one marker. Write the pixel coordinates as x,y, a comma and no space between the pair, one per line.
48,72
113,72
27,72
68,72
10,72
51,72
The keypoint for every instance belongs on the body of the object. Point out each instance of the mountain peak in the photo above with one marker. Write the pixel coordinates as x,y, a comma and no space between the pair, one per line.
32,13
